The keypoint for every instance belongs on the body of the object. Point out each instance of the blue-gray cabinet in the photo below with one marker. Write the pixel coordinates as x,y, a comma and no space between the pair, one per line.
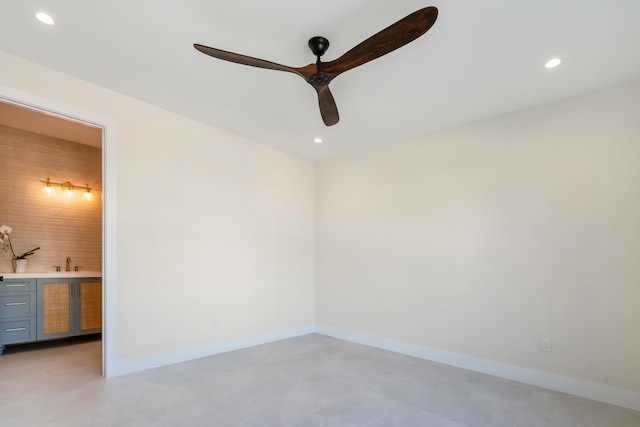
69,307
17,311
39,309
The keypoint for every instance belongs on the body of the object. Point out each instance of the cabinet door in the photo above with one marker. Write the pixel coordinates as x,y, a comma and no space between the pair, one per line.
89,306
56,314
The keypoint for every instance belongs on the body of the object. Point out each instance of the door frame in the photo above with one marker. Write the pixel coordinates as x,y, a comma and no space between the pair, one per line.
109,206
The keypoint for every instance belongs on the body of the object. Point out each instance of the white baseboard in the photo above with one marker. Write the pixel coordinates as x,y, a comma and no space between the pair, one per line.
157,360
586,389
600,392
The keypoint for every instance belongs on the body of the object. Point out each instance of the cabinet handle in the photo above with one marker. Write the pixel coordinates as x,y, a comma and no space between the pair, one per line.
15,329
9,304
15,285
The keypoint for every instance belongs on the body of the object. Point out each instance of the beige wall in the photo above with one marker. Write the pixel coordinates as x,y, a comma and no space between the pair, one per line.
215,233
483,239
62,226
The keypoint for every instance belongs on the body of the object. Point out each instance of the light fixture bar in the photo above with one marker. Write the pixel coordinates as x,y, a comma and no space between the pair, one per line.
65,186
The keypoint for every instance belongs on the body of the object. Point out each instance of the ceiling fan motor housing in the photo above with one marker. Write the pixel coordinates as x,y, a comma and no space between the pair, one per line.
319,79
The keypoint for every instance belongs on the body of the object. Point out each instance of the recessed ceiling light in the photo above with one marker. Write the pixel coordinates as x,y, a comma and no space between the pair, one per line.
318,140
44,18
553,63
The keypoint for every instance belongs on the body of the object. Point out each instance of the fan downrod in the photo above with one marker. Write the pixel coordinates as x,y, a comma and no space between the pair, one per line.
319,46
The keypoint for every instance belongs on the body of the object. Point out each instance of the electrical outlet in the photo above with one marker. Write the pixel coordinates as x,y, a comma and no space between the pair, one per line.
545,344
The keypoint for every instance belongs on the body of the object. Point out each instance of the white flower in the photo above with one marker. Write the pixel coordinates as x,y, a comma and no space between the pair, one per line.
5,238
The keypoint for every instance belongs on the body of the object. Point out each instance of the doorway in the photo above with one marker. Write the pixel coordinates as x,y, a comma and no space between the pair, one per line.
56,117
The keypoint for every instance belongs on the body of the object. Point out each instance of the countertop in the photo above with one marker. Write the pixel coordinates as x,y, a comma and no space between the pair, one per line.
51,275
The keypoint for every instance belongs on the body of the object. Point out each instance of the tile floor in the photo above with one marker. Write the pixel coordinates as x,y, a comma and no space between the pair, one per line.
307,381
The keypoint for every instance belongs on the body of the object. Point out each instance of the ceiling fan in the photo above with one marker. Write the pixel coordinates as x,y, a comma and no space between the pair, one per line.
320,74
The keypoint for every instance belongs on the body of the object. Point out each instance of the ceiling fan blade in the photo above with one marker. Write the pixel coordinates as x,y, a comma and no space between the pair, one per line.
328,107
391,38
244,60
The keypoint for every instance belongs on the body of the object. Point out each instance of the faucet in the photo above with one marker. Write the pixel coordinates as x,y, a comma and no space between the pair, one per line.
68,268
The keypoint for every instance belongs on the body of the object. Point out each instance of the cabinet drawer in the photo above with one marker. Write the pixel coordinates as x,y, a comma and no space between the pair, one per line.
19,304
18,330
17,285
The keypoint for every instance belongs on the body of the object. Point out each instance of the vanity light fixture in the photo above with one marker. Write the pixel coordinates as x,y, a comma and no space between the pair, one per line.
67,187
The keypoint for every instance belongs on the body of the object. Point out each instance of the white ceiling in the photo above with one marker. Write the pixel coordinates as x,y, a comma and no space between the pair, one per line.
46,124
480,59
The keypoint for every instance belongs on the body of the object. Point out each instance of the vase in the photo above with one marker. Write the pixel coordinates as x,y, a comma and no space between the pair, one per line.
20,265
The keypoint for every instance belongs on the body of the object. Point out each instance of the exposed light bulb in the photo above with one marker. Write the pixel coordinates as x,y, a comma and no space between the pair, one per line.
87,193
318,140
47,187
67,188
44,18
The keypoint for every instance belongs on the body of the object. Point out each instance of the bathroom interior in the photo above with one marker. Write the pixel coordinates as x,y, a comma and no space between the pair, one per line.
51,198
